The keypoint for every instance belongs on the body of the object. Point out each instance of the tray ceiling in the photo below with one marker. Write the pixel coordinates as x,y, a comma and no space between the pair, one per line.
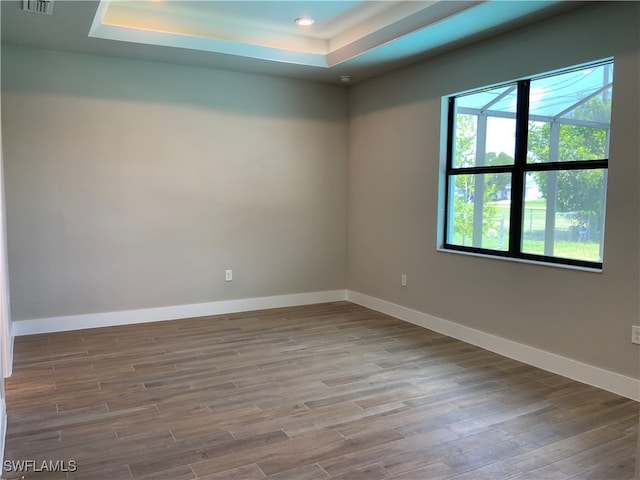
357,38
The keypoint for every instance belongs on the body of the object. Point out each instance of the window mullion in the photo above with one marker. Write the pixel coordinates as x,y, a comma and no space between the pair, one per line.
478,204
520,161
448,225
552,190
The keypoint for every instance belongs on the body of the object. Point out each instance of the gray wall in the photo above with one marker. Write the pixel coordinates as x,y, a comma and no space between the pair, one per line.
395,153
136,184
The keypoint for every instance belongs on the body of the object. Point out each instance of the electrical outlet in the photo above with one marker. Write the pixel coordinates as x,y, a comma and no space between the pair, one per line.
403,280
228,275
635,334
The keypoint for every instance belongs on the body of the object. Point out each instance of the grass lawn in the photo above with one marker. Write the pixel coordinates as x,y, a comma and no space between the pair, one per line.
534,221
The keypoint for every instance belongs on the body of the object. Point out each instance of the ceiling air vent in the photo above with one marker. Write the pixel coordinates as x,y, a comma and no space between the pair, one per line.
44,7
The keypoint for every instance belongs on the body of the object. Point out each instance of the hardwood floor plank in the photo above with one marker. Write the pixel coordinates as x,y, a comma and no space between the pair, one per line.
286,460
565,448
213,446
182,472
620,451
372,472
434,471
306,472
299,446
398,455
333,417
484,455
246,472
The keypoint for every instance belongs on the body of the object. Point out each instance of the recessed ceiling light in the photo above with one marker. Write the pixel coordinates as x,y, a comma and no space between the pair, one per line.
305,21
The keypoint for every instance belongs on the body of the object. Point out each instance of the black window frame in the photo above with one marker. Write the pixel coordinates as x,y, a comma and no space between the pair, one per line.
518,170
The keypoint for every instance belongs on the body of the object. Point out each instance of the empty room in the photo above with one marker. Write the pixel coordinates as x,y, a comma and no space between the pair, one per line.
343,240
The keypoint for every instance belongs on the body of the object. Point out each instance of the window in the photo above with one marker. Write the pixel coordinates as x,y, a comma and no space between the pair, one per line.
526,170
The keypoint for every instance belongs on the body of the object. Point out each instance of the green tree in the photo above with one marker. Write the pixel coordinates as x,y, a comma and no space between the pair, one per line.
578,191
465,185
499,181
465,154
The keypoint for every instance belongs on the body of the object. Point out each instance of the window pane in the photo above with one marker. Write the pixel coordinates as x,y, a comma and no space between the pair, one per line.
564,214
582,143
501,141
570,116
479,207
464,149
485,128
505,96
538,146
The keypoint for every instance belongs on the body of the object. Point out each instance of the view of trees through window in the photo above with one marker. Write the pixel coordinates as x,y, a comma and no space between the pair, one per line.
558,186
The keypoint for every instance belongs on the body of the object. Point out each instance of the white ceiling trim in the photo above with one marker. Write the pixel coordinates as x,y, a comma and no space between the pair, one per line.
164,39
391,24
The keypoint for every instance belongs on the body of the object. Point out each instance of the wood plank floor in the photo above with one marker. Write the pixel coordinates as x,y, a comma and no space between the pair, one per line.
316,392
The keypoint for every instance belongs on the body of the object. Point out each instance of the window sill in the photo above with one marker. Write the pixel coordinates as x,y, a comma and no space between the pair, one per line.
521,260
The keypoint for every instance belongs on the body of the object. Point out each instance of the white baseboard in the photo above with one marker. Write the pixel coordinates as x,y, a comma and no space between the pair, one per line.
95,320
3,430
8,358
582,372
